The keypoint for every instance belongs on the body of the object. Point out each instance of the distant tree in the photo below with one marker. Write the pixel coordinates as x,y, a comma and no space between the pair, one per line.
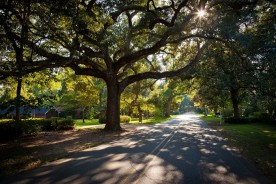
237,67
78,93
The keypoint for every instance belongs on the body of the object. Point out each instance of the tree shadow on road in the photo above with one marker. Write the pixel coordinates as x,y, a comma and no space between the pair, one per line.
178,151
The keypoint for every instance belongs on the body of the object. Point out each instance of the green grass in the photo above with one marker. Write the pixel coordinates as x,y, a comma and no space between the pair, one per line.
87,123
90,123
154,120
256,141
262,136
210,118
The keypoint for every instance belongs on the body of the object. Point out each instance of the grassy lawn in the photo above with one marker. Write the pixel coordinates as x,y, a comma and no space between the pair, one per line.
87,122
150,120
212,120
256,141
90,123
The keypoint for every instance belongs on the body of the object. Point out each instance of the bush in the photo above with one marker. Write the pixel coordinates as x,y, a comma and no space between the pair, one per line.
227,113
10,130
125,119
57,124
233,120
47,125
102,119
30,126
261,117
65,124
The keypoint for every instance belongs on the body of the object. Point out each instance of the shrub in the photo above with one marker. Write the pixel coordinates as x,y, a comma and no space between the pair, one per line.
125,119
57,124
65,124
5,120
232,120
47,125
261,117
227,113
30,126
10,130
102,119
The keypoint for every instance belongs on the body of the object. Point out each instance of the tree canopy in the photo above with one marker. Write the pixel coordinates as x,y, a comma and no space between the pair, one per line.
120,42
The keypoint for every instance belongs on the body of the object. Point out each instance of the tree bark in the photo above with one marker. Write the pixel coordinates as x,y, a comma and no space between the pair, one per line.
140,113
235,102
113,105
168,106
83,109
18,99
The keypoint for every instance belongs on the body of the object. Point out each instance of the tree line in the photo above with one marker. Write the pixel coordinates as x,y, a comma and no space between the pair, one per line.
227,50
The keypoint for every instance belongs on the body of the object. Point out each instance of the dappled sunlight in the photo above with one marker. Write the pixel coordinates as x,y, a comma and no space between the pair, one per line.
184,150
187,116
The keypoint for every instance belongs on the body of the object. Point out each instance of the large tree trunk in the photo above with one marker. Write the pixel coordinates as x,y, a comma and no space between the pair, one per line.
18,99
113,106
235,102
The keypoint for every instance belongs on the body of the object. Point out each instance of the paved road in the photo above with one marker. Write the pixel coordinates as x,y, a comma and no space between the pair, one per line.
183,150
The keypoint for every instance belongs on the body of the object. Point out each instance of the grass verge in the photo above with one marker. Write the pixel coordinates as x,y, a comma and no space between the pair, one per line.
154,120
88,123
256,141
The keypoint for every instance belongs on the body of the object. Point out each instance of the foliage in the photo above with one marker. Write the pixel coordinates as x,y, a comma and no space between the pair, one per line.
262,117
38,90
125,119
78,92
10,129
58,124
239,70
233,120
123,43
102,119
210,118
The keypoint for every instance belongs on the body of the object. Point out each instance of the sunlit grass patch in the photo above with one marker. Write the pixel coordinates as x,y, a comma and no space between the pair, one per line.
153,120
88,123
211,119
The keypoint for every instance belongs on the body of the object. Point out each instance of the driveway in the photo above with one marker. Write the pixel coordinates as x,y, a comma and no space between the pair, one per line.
182,150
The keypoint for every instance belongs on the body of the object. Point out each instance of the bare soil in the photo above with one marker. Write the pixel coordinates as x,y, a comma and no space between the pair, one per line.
32,151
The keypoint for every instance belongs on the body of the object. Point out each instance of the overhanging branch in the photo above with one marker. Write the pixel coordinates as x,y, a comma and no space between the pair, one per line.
158,75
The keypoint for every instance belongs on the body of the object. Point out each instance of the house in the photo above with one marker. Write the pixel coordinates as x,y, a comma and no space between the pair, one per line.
30,112
10,113
38,113
52,113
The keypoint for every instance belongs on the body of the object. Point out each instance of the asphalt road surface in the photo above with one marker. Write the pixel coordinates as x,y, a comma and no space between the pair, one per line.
182,150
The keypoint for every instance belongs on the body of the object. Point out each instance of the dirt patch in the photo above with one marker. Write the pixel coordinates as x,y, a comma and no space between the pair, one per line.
32,151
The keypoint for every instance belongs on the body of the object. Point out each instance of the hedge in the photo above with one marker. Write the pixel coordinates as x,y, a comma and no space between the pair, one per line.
125,119
9,129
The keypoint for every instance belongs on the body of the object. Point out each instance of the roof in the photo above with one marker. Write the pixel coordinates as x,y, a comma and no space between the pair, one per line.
25,110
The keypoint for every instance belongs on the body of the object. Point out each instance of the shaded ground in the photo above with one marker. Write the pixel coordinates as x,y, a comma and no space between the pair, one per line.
183,150
255,148
32,151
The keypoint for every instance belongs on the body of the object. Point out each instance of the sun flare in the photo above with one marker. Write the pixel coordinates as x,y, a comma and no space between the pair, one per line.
201,13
